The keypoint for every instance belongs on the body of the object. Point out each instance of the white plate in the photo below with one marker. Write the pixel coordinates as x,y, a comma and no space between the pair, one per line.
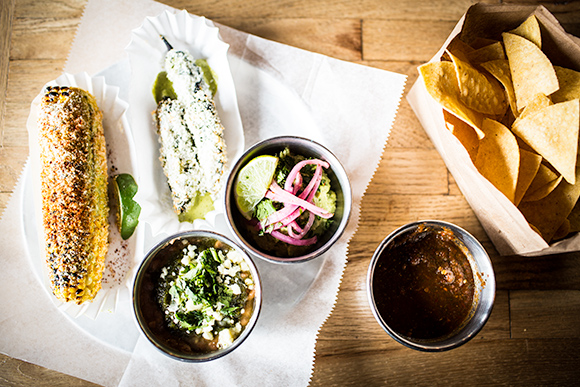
146,53
121,159
279,111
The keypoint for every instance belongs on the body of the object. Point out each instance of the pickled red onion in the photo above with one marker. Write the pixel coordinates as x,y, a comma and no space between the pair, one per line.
279,195
306,227
292,175
289,212
295,204
292,241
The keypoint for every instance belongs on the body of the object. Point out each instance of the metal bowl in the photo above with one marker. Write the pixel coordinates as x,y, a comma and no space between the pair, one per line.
148,313
339,183
484,288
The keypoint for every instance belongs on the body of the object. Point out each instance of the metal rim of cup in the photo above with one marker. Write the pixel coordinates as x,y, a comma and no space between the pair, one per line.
271,146
485,300
142,323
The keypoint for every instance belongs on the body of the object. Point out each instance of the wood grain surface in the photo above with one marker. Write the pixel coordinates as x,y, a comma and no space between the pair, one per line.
533,334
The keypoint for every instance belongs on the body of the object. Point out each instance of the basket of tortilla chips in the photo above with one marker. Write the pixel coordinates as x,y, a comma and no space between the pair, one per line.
500,102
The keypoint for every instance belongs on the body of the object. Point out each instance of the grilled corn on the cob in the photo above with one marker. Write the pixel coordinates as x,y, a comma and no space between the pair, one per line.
73,177
193,151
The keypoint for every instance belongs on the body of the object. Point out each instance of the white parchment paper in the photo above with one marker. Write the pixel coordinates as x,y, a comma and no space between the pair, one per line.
280,90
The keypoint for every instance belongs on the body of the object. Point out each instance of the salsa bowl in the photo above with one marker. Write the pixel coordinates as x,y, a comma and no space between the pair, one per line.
197,296
431,286
263,245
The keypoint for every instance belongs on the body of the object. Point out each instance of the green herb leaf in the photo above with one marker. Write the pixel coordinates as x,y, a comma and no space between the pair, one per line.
264,209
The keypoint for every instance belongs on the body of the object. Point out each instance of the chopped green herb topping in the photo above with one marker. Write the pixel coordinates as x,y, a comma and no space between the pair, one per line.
206,293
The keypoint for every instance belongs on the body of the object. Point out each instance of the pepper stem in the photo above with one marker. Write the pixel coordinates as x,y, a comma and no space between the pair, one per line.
169,46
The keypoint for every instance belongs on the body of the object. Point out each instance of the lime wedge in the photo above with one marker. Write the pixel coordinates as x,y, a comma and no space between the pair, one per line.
253,182
128,210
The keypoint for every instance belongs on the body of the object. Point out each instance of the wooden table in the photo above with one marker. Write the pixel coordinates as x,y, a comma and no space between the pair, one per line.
533,334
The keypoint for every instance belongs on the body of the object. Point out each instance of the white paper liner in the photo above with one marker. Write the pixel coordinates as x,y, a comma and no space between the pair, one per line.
120,258
146,52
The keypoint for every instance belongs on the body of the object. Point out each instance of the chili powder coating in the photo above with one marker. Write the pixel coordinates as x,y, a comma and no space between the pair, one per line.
423,284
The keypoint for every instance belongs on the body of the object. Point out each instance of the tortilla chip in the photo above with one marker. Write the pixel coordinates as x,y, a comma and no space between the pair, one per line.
562,231
466,135
459,48
548,213
480,42
529,164
488,53
553,133
500,69
569,81
538,103
574,218
530,29
535,229
498,157
478,91
524,146
532,72
545,181
441,83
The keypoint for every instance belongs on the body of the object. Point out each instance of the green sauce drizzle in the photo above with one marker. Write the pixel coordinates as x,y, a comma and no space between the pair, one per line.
208,75
163,88
197,209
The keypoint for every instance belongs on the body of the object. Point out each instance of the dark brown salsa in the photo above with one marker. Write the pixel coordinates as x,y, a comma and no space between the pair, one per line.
423,284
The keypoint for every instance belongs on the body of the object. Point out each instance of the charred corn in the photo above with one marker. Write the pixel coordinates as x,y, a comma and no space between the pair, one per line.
73,175
192,146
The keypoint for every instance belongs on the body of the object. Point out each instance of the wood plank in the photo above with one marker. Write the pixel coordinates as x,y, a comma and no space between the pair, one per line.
545,314
412,171
453,187
14,372
403,39
389,211
34,9
27,77
6,16
557,271
15,133
407,131
496,362
338,38
42,38
421,10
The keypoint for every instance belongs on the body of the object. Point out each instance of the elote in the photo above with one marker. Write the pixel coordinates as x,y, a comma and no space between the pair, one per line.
192,146
73,176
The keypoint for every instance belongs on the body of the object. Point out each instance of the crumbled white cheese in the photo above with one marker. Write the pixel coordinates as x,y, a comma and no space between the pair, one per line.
225,338
235,288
